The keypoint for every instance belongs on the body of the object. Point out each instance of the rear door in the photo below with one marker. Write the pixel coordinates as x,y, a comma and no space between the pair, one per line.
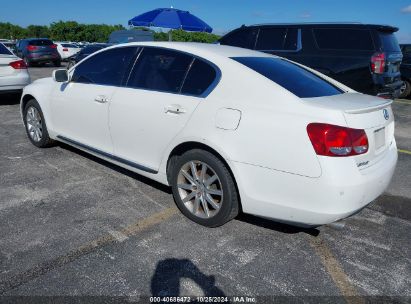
163,90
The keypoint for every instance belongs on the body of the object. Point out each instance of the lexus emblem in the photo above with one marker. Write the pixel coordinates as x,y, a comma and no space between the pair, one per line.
386,114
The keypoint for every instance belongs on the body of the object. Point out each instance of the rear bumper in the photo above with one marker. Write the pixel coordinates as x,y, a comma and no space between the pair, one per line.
38,58
390,91
341,191
14,82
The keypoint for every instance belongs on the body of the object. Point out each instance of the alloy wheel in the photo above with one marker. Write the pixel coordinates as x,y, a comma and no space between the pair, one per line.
34,124
200,189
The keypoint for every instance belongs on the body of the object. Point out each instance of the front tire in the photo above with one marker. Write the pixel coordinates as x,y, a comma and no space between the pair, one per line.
35,125
204,189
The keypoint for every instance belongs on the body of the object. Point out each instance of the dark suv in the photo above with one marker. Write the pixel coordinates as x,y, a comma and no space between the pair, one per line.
406,70
38,51
364,57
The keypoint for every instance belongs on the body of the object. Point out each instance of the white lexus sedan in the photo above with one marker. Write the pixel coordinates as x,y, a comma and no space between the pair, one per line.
67,50
228,129
13,72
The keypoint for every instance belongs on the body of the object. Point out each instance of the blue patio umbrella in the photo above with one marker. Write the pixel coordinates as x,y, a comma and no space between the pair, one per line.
171,18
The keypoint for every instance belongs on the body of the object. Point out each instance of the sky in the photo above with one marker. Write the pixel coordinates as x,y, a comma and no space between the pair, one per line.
222,15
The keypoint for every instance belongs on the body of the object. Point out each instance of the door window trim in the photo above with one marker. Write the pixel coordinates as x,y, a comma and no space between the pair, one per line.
206,92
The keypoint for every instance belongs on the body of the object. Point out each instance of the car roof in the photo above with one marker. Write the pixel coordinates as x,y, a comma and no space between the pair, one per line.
379,27
202,49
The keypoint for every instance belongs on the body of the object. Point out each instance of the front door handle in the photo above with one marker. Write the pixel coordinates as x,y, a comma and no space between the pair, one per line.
175,109
101,99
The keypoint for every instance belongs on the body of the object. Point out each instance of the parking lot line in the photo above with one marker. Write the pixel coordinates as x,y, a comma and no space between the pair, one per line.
45,267
403,101
404,151
336,271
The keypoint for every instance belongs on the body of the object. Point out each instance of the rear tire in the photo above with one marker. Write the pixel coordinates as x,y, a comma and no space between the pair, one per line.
57,63
27,62
405,89
203,188
35,124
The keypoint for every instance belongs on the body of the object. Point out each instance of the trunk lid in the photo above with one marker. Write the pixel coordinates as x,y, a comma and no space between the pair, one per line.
372,114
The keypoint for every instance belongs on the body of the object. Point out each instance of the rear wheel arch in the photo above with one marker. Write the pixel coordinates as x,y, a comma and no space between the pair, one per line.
192,145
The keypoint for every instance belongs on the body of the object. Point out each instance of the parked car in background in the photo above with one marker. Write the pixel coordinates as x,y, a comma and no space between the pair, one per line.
406,70
183,113
67,50
10,44
364,57
85,52
125,36
38,51
13,72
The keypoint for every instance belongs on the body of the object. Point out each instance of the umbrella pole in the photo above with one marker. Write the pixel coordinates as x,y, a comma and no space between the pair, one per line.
170,36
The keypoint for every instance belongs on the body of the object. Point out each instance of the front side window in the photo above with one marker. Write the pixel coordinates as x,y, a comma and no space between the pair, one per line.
160,69
344,39
105,68
291,77
199,78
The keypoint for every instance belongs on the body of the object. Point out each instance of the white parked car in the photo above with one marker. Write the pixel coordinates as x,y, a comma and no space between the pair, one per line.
13,72
67,50
228,129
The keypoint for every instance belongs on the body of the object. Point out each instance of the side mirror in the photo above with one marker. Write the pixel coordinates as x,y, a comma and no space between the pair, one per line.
61,75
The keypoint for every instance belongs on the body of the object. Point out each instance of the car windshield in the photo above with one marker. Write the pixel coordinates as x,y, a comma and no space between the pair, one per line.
4,50
389,42
292,77
42,42
67,45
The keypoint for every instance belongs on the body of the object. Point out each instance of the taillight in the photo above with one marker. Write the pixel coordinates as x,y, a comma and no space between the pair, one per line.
53,46
65,50
378,63
18,65
31,48
331,140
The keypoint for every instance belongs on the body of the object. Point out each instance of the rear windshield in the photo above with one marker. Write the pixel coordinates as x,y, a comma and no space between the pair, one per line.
4,50
42,42
293,78
389,42
66,45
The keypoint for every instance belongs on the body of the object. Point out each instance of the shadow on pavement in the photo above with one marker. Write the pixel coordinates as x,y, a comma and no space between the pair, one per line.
272,225
167,277
9,99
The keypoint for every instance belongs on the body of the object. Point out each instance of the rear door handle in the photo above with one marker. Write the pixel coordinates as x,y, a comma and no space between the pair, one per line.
175,109
101,99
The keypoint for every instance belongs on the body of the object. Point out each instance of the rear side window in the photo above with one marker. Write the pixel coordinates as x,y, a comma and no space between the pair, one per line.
160,69
293,78
244,38
4,50
105,68
199,78
344,39
271,39
389,42
280,39
41,42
